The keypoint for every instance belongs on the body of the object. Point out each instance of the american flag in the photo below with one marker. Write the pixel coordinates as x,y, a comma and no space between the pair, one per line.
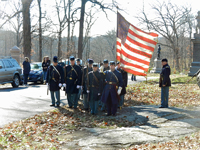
134,47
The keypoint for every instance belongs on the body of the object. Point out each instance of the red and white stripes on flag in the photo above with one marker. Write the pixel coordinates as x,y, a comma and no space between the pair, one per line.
134,47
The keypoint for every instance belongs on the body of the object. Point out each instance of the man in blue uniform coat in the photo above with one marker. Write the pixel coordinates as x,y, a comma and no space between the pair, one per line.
85,71
112,89
165,83
73,82
94,90
125,82
103,68
55,79
78,63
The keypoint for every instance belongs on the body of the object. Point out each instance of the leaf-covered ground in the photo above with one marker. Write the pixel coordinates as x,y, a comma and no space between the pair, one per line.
180,94
46,130
187,142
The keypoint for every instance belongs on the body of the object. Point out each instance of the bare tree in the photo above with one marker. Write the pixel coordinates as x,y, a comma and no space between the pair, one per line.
40,30
103,6
17,21
61,7
7,17
89,22
169,19
26,27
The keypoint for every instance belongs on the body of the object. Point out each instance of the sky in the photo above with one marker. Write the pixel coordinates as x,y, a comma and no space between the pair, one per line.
131,8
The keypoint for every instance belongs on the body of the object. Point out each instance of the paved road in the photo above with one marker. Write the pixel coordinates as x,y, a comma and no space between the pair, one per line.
20,103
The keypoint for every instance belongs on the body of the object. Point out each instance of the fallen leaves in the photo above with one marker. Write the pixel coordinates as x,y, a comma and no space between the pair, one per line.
43,130
150,94
187,142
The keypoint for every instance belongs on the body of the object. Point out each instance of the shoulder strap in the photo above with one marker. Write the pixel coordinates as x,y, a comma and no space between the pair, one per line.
74,70
115,76
95,77
56,70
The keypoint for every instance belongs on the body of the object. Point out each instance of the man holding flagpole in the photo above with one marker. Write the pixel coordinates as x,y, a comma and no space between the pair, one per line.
112,89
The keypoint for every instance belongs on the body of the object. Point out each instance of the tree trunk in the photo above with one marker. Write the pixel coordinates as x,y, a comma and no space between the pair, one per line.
51,49
40,30
81,28
5,43
17,38
26,28
68,36
176,50
190,51
59,44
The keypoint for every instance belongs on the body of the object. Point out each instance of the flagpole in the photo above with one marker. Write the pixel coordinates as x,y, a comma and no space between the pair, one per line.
116,39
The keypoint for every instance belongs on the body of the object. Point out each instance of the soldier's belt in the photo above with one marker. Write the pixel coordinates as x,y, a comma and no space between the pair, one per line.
111,83
54,79
94,86
70,78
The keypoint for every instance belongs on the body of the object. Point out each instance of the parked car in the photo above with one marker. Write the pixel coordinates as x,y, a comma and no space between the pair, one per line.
10,71
67,62
36,73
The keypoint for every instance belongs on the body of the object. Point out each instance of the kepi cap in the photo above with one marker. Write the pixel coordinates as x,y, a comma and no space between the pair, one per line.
105,61
90,61
71,58
95,65
55,59
164,60
112,62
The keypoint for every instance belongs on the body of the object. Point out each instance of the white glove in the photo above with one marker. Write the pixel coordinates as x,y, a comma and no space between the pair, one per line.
60,85
119,90
99,94
64,85
78,86
88,91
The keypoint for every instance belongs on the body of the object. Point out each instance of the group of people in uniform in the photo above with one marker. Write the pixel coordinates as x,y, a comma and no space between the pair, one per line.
103,86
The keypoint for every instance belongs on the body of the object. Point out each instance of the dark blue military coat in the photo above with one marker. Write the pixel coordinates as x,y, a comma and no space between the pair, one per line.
95,85
105,69
125,80
164,76
73,78
110,88
85,78
54,78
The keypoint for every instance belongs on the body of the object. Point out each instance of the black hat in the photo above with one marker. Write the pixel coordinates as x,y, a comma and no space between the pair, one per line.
71,57
95,65
112,62
78,59
164,60
55,59
90,61
105,61
118,63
